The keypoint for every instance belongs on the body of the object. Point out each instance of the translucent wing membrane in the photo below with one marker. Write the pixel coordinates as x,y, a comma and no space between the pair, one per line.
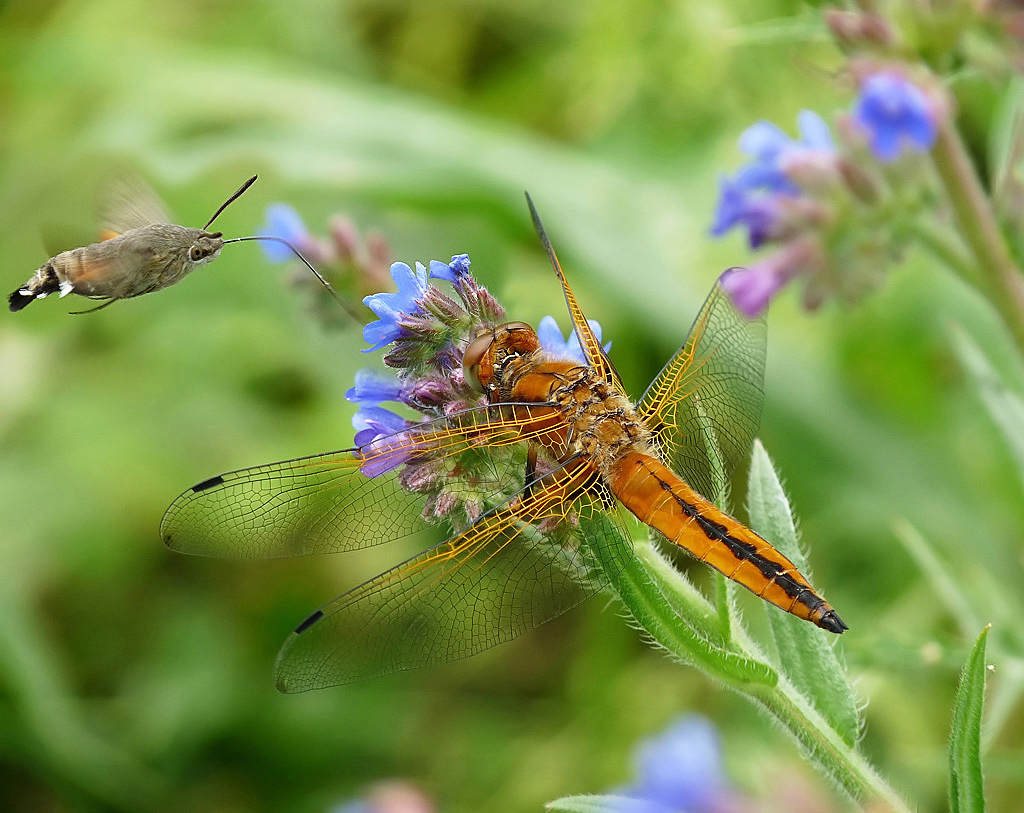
592,349
327,503
127,202
714,383
518,566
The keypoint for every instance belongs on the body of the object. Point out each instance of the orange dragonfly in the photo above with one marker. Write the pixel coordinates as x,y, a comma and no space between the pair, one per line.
553,452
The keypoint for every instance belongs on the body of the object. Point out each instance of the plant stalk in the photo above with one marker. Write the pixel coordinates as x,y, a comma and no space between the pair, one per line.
661,601
1003,282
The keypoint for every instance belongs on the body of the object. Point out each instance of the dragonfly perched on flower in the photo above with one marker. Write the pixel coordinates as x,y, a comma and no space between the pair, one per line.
529,454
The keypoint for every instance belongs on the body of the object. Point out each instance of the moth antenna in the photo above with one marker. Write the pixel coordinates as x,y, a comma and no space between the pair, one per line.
231,200
340,300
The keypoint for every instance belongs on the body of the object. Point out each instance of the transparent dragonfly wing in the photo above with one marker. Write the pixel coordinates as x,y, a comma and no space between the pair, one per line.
713,384
327,504
592,349
518,566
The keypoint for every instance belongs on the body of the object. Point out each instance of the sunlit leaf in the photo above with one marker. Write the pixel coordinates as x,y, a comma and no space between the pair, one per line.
966,784
805,654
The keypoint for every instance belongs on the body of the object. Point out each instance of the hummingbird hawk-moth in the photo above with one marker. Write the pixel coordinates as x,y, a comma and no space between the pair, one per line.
140,251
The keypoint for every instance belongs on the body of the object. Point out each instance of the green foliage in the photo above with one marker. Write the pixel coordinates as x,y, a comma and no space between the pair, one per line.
966,785
805,655
132,678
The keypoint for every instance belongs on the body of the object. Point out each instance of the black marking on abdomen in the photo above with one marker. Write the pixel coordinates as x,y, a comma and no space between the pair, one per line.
745,551
213,481
309,622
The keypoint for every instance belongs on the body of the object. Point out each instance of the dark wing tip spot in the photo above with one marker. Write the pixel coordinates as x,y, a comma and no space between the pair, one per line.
309,622
833,623
213,481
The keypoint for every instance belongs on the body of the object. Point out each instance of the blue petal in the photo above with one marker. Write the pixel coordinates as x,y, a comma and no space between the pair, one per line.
284,222
373,387
382,421
440,270
814,132
682,768
549,335
764,140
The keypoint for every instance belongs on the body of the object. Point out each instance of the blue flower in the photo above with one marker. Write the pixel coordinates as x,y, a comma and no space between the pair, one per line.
738,204
284,222
454,272
680,771
896,114
551,339
381,440
372,388
755,196
390,308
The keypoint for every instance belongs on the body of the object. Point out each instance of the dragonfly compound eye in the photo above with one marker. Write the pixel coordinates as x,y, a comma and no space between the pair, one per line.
474,357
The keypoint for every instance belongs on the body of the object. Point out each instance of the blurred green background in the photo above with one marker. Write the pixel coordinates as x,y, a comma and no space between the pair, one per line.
132,678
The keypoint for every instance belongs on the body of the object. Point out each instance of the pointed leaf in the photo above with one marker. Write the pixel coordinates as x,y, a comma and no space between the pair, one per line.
805,654
966,786
598,804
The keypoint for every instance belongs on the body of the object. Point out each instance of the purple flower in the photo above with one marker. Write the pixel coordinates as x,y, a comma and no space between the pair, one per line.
284,222
752,288
390,308
756,195
382,440
454,272
551,339
896,114
680,771
372,388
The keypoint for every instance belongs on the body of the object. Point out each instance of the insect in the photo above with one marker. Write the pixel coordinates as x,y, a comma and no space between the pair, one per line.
141,252
588,456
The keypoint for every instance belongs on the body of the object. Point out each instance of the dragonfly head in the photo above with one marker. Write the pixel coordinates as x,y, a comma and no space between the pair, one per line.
487,354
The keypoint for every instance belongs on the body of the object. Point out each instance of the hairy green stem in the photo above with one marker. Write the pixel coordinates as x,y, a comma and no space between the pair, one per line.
1002,278
677,618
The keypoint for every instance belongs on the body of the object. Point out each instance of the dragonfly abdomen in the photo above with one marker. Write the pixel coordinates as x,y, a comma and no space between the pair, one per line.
652,492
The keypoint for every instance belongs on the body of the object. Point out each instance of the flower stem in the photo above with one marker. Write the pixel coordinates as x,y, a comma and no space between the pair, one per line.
1003,282
676,617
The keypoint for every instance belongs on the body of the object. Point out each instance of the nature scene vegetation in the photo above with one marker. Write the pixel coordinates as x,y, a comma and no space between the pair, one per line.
861,162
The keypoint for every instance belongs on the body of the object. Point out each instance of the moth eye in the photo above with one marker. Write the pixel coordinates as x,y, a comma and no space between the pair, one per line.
196,253
473,356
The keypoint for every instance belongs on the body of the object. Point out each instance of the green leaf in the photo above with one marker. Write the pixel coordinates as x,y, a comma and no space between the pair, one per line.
805,653
946,585
595,804
966,785
1004,406
1007,132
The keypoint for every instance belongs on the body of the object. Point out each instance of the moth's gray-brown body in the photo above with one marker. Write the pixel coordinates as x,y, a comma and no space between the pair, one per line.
137,262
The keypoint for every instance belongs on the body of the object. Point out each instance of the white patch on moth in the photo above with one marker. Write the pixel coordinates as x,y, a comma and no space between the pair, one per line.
65,289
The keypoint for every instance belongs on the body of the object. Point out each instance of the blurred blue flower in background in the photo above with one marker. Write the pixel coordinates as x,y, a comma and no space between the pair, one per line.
551,339
755,196
390,307
679,771
896,114
284,222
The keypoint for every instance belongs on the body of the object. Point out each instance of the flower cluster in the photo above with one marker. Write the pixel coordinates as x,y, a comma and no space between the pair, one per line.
836,211
424,333
350,263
